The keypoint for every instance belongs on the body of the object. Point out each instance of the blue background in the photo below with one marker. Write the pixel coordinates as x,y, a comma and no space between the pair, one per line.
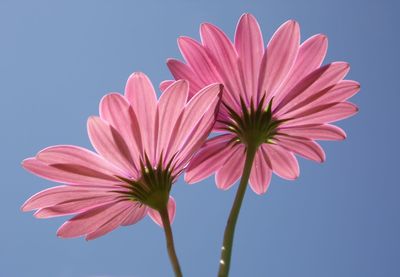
341,218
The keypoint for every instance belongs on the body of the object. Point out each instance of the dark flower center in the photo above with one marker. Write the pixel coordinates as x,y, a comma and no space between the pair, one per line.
154,185
254,125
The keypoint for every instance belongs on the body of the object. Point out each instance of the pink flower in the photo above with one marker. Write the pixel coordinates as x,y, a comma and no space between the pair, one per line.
279,98
142,146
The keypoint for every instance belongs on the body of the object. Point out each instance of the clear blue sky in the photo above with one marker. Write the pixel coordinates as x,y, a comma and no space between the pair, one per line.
341,218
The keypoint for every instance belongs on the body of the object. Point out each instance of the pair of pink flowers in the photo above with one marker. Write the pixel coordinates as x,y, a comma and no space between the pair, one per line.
266,104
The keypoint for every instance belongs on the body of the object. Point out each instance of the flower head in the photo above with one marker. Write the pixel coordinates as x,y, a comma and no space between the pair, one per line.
279,99
142,146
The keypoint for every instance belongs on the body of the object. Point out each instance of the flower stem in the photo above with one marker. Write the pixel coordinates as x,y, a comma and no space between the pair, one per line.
170,242
226,249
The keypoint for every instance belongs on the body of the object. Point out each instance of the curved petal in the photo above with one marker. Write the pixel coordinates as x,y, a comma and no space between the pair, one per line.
155,215
110,144
141,95
209,159
315,132
333,94
198,60
194,111
304,147
278,58
250,47
342,91
282,162
182,71
324,114
311,55
73,206
170,107
56,195
232,169
90,220
80,157
198,135
138,210
115,109
164,84
318,80
260,176
69,174
224,56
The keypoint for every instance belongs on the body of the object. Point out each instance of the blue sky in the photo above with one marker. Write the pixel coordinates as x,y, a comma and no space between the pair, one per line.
57,59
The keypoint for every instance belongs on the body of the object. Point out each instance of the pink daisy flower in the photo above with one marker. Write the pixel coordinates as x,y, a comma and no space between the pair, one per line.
278,100
142,146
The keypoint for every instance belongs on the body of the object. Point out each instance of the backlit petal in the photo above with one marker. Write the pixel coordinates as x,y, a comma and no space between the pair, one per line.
209,159
115,109
283,162
261,172
141,95
89,221
315,132
278,58
170,107
155,215
311,54
304,147
250,47
232,169
110,144
134,213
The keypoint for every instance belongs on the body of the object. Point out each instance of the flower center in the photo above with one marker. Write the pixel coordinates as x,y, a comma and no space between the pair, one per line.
252,126
153,187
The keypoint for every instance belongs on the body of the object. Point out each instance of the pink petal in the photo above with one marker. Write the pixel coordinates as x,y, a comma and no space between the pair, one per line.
204,71
198,60
304,147
89,221
182,71
333,94
164,84
278,58
80,157
55,195
260,176
324,114
194,111
250,47
232,169
316,81
311,54
170,107
138,210
209,159
339,92
115,109
315,132
224,56
110,144
155,215
141,95
73,206
202,66
282,162
69,174
198,135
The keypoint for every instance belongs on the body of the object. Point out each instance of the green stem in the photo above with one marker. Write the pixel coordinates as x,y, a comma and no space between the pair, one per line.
226,250
170,242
